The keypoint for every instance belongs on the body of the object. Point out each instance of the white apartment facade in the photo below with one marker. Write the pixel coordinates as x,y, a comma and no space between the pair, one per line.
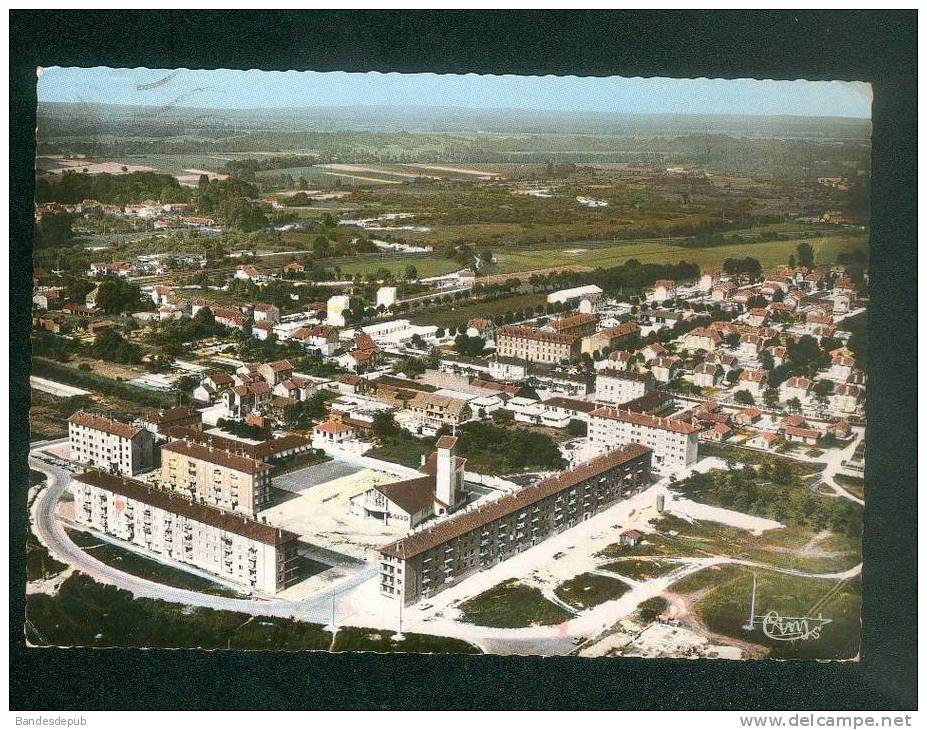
620,386
674,442
242,551
109,444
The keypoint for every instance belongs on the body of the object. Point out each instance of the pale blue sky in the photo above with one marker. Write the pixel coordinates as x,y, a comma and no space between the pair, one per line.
267,89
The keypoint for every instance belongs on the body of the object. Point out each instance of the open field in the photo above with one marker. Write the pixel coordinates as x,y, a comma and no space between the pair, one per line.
756,458
769,253
588,590
350,638
724,606
512,605
425,265
789,547
641,569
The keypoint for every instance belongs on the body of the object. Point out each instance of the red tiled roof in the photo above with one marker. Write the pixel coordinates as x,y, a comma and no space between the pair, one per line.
219,457
106,425
175,503
642,419
531,333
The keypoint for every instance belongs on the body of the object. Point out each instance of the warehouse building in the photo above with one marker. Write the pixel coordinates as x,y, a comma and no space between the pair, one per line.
430,560
166,525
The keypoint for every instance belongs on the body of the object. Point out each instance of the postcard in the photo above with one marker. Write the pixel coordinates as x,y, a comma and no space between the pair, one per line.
429,363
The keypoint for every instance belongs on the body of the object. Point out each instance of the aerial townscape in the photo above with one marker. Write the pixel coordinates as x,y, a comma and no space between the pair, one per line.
485,386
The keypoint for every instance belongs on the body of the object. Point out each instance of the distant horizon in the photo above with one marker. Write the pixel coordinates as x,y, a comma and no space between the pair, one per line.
253,90
464,108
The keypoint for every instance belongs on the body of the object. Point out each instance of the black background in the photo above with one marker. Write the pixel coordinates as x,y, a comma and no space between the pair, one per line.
879,47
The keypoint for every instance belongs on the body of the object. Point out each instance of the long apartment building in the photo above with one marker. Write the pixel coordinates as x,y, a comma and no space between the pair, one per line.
428,561
674,442
534,345
216,477
243,551
109,444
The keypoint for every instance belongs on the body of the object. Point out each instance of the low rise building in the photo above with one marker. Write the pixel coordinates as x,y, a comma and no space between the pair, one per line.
434,411
707,375
410,502
622,335
534,345
167,526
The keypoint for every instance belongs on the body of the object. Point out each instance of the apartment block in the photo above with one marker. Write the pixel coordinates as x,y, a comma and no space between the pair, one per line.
621,386
166,525
674,442
109,444
430,560
216,477
534,345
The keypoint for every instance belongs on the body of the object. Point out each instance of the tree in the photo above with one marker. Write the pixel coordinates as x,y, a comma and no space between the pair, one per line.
805,253
384,425
411,273
576,428
771,397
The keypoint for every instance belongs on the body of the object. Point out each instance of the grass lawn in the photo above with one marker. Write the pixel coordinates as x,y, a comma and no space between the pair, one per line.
587,590
39,564
425,265
511,605
85,613
463,313
592,255
726,606
146,568
641,569
36,477
854,485
651,608
351,638
403,449
782,548
755,458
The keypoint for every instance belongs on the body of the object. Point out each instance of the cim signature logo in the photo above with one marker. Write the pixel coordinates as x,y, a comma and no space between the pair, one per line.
793,628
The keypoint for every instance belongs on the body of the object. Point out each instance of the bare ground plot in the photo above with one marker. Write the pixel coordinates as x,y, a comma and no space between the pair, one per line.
319,514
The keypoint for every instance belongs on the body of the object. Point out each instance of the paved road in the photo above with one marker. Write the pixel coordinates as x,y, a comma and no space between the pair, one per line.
57,389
